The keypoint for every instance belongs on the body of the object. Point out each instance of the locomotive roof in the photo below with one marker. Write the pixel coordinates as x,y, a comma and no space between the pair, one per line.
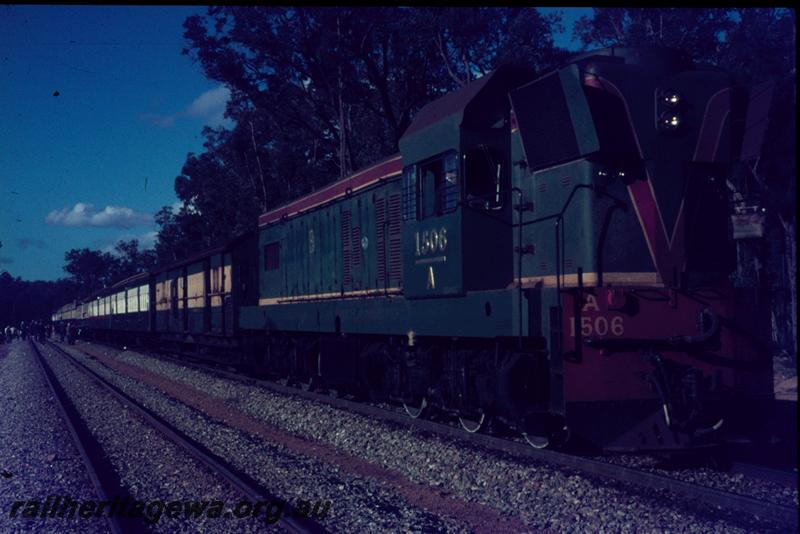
360,179
446,105
652,57
441,124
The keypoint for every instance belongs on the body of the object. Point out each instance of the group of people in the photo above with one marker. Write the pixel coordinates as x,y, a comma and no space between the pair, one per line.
67,332
37,330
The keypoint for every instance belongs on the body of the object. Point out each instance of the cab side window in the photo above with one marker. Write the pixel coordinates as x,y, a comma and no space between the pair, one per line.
431,188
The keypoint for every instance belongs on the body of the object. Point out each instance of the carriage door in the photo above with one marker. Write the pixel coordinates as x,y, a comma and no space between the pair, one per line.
227,299
173,304
184,300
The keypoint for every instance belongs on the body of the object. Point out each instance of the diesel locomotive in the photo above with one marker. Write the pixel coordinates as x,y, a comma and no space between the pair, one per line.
550,253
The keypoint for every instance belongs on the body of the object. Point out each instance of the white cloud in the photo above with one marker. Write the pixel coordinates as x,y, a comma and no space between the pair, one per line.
178,205
83,214
147,240
209,107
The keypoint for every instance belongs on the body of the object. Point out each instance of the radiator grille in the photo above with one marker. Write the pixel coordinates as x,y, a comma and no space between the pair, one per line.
395,241
347,274
380,234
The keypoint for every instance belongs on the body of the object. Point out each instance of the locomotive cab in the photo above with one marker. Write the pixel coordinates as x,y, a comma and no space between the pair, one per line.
457,189
627,154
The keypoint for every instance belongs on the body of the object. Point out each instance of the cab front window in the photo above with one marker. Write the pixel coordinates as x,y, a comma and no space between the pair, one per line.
483,171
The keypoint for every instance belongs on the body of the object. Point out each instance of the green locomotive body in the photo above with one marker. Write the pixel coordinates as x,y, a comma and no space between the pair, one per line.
552,253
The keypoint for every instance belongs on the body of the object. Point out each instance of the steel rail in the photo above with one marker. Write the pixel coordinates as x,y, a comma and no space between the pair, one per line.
250,487
693,494
776,476
100,471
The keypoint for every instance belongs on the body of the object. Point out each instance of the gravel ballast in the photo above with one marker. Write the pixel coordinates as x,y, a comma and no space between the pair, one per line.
149,467
357,503
543,497
37,455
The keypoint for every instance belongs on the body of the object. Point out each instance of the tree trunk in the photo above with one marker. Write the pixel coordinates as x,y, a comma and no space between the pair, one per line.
260,169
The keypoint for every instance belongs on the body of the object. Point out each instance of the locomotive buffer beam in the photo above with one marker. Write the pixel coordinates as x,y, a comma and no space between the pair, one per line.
707,338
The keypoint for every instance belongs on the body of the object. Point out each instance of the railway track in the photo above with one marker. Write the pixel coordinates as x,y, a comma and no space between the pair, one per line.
694,495
104,479
102,473
778,476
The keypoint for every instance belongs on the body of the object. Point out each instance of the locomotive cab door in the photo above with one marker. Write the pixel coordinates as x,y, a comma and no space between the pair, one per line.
486,217
432,230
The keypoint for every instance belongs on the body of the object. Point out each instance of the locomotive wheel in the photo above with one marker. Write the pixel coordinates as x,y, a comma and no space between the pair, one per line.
537,442
556,438
313,381
413,412
310,384
474,425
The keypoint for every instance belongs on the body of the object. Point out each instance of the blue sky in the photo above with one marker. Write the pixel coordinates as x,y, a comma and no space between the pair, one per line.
93,164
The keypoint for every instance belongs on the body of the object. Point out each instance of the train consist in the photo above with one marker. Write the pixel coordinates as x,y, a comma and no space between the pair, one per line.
552,253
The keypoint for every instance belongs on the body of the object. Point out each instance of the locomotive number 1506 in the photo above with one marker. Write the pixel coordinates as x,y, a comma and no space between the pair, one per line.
599,325
430,241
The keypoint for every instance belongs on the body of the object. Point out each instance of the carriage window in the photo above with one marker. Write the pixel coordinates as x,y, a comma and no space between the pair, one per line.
483,171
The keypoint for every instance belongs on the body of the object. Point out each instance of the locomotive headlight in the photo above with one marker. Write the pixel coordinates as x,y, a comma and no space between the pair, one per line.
671,98
670,120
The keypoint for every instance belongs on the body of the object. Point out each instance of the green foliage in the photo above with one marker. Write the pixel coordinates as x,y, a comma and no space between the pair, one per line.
699,31
25,301
754,44
317,93
92,270
130,260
